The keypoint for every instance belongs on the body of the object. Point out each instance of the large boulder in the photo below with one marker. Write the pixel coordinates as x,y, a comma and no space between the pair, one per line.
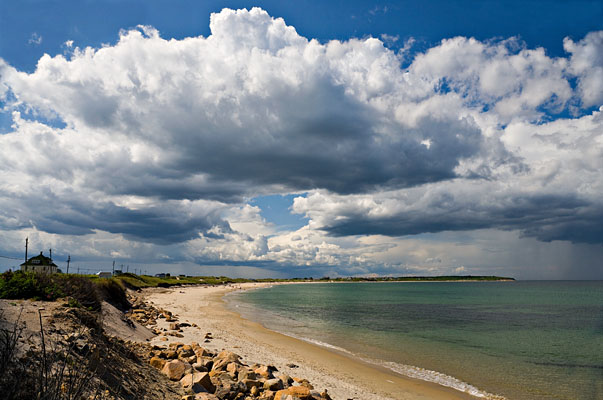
246,373
185,351
175,369
198,378
206,362
233,369
265,371
273,384
224,358
296,393
157,362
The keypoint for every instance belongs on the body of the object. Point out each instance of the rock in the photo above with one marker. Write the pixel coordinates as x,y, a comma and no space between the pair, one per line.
325,395
251,383
174,369
199,367
197,388
267,395
225,392
254,390
157,362
190,360
198,378
292,365
265,371
304,382
296,393
186,351
174,326
232,369
224,358
273,384
163,338
170,354
287,380
206,396
246,373
188,397
200,351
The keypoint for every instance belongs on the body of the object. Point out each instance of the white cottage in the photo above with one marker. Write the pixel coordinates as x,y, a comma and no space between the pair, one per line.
41,264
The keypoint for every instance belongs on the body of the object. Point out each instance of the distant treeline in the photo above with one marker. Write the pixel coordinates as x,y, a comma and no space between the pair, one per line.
445,278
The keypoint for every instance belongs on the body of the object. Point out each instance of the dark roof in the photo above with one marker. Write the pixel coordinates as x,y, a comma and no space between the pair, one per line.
40,260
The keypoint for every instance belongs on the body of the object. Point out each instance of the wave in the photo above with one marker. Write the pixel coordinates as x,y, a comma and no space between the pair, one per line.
411,371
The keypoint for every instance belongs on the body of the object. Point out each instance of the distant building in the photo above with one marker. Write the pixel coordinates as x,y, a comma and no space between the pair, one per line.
161,275
104,274
41,264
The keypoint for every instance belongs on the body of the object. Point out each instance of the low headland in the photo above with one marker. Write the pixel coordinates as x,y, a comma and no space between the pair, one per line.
141,337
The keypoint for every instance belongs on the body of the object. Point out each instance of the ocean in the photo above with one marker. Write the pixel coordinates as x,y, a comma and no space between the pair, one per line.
518,340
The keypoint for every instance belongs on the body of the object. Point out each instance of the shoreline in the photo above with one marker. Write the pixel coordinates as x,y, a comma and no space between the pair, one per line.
344,376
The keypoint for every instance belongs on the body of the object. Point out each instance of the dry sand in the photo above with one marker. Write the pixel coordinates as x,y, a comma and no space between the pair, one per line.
344,377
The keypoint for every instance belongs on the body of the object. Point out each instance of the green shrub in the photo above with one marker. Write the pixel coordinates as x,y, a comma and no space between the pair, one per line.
83,291
28,285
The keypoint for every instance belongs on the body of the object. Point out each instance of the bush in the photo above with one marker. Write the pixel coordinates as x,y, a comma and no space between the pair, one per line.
28,285
82,290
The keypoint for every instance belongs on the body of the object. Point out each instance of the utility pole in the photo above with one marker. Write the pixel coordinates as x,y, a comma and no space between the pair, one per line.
68,261
26,243
50,251
113,267
78,270
127,268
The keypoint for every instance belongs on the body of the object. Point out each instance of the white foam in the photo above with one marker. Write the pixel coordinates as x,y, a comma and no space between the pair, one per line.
414,372
322,344
436,377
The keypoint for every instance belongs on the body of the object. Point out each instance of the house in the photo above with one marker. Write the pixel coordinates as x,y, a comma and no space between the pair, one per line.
104,274
40,263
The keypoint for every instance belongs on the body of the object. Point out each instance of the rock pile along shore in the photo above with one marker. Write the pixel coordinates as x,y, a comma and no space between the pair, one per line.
208,375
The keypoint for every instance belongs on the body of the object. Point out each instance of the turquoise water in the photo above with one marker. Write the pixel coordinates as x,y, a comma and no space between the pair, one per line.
520,340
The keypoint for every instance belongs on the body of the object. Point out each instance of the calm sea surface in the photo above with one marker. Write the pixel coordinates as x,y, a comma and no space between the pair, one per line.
521,340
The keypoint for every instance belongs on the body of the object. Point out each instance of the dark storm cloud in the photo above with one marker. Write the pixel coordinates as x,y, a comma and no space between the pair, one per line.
170,223
545,217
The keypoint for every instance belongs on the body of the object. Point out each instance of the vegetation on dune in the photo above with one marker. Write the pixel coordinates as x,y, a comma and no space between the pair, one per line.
143,281
81,290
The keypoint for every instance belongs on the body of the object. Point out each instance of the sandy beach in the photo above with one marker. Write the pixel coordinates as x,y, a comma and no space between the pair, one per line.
344,377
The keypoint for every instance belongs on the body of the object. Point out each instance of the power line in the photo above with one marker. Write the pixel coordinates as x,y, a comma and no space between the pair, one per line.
11,258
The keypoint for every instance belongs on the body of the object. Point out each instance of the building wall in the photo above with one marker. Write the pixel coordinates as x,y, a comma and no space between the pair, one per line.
48,269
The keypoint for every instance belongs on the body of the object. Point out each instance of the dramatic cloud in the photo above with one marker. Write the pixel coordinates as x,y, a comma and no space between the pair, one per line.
163,141
587,63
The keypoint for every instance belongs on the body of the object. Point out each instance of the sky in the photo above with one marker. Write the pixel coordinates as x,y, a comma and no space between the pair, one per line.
306,138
